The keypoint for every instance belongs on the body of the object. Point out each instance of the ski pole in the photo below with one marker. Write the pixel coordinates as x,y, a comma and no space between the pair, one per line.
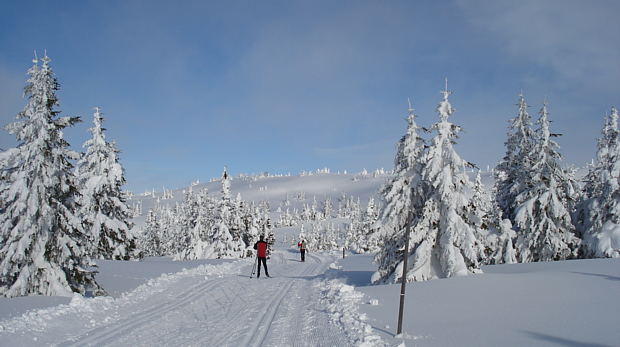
254,267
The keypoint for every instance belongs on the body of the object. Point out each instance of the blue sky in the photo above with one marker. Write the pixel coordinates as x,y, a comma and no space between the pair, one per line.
283,86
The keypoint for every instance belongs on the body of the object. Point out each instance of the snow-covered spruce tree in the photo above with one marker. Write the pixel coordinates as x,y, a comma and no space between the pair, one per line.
600,204
302,234
168,226
542,214
500,239
480,216
398,194
149,241
254,226
513,171
293,241
443,241
199,238
42,241
314,238
330,241
369,240
269,235
103,207
224,244
328,207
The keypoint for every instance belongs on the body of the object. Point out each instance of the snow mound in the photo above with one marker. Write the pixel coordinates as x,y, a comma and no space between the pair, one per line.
341,302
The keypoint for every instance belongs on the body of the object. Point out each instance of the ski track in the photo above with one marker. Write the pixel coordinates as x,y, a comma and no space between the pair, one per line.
193,310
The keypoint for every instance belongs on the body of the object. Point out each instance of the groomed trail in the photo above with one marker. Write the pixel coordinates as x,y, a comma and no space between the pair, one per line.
205,306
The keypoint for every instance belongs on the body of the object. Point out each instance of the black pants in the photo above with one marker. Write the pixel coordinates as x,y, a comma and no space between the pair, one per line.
264,261
303,255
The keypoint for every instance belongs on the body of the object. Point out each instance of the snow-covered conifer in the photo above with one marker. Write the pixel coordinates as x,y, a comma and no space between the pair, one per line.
514,169
314,238
397,195
293,242
500,238
479,216
42,240
600,203
542,214
302,233
103,206
328,207
149,240
443,242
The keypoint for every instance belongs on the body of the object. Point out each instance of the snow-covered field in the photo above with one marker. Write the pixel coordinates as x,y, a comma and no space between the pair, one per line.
325,301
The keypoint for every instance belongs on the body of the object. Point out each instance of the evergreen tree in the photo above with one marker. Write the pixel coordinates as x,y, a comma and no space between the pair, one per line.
302,233
600,203
42,240
500,239
103,206
150,240
270,236
517,164
398,194
480,217
330,241
443,241
314,238
224,243
328,207
370,240
199,238
542,215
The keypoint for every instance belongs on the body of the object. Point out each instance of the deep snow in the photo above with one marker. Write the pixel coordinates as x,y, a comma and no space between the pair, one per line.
325,301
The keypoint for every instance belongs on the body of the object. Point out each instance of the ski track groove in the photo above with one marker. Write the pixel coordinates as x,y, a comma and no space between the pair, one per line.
136,320
261,326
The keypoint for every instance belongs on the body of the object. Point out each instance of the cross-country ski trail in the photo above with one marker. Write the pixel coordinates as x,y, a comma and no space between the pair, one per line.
205,306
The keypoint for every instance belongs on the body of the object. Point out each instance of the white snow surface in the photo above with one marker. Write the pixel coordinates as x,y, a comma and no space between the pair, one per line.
325,301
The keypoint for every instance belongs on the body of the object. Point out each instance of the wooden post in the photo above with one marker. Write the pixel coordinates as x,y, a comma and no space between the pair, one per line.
403,279
342,252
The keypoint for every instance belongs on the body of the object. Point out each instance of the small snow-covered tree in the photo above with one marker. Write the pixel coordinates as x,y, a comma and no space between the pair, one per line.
542,214
302,234
150,239
103,206
43,246
370,240
328,207
293,241
480,216
270,236
499,248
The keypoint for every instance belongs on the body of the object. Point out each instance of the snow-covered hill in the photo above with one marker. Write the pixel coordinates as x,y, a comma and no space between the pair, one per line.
275,189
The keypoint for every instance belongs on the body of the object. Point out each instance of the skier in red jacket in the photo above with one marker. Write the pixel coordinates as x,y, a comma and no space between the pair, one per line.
261,248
